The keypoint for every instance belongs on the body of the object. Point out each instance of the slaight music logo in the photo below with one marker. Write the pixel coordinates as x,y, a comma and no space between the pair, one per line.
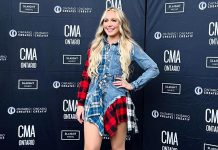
173,35
72,59
26,135
213,33
169,140
28,58
70,134
210,147
176,7
69,109
170,115
114,3
72,34
171,88
211,119
211,62
208,5
27,84
29,7
68,9
172,60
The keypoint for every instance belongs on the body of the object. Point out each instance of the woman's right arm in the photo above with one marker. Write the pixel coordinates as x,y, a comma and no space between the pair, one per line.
82,91
84,84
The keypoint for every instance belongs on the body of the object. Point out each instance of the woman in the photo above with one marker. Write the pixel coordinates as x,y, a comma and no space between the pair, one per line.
103,96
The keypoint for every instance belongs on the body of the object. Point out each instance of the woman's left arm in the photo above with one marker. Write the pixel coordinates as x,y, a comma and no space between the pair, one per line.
147,64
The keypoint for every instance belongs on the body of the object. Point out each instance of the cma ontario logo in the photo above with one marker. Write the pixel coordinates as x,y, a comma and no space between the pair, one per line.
114,3
169,140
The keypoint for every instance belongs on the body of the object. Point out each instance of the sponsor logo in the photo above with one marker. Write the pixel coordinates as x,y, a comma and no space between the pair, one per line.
211,62
210,147
208,5
68,9
176,7
3,57
206,91
170,115
58,84
171,88
37,34
169,140
172,60
69,109
72,59
25,84
29,7
27,110
72,34
211,119
213,33
173,35
26,135
28,58
2,136
114,3
70,135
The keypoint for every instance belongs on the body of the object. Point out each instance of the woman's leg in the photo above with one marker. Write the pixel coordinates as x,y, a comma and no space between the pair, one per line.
119,138
92,137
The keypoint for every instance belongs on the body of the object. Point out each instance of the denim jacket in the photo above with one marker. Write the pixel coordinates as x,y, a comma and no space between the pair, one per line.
108,70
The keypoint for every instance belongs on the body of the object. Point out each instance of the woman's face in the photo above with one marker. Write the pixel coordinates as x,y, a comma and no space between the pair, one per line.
111,25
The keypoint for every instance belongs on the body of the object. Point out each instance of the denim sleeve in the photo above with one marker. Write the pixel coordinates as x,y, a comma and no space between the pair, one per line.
147,64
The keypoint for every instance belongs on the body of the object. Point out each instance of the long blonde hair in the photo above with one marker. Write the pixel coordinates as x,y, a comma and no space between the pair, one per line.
125,45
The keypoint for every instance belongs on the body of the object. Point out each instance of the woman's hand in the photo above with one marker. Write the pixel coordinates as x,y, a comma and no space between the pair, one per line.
122,83
80,114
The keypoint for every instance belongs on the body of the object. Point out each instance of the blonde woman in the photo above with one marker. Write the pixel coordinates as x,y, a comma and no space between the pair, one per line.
103,95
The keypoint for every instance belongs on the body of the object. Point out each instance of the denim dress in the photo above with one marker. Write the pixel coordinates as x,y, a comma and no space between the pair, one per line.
102,93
